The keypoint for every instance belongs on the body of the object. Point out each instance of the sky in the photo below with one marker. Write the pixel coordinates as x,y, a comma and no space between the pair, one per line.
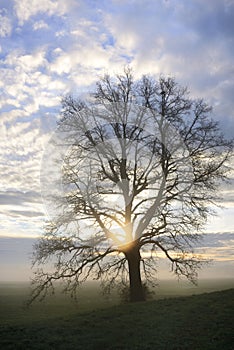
49,48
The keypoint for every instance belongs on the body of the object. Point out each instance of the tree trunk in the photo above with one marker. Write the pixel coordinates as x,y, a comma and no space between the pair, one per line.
136,289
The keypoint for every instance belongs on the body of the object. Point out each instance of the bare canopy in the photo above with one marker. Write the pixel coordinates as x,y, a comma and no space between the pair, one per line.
130,173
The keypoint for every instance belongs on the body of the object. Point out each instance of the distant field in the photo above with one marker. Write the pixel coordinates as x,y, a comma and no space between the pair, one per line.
14,295
198,322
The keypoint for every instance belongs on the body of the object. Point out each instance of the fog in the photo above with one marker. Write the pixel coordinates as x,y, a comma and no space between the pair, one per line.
16,253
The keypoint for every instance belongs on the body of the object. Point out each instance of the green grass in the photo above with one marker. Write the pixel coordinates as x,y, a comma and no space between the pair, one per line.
195,322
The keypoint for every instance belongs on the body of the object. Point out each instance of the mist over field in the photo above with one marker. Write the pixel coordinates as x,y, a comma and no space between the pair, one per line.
16,253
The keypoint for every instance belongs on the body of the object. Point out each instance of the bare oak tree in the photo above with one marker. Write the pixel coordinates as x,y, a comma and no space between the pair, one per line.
139,168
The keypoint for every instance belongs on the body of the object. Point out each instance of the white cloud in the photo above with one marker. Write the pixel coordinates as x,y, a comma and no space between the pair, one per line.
25,87
88,55
123,31
60,33
27,8
22,142
62,64
5,26
40,25
27,62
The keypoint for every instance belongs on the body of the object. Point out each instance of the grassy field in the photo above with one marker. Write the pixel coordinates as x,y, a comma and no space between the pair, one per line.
203,321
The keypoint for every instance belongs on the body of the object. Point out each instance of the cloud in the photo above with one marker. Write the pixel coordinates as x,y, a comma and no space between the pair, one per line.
27,8
40,25
62,63
25,213
20,162
5,25
213,21
220,239
25,62
217,246
192,41
19,198
21,213
50,48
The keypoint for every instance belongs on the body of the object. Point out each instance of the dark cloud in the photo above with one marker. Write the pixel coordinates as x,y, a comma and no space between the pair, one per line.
213,20
217,240
27,213
19,198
